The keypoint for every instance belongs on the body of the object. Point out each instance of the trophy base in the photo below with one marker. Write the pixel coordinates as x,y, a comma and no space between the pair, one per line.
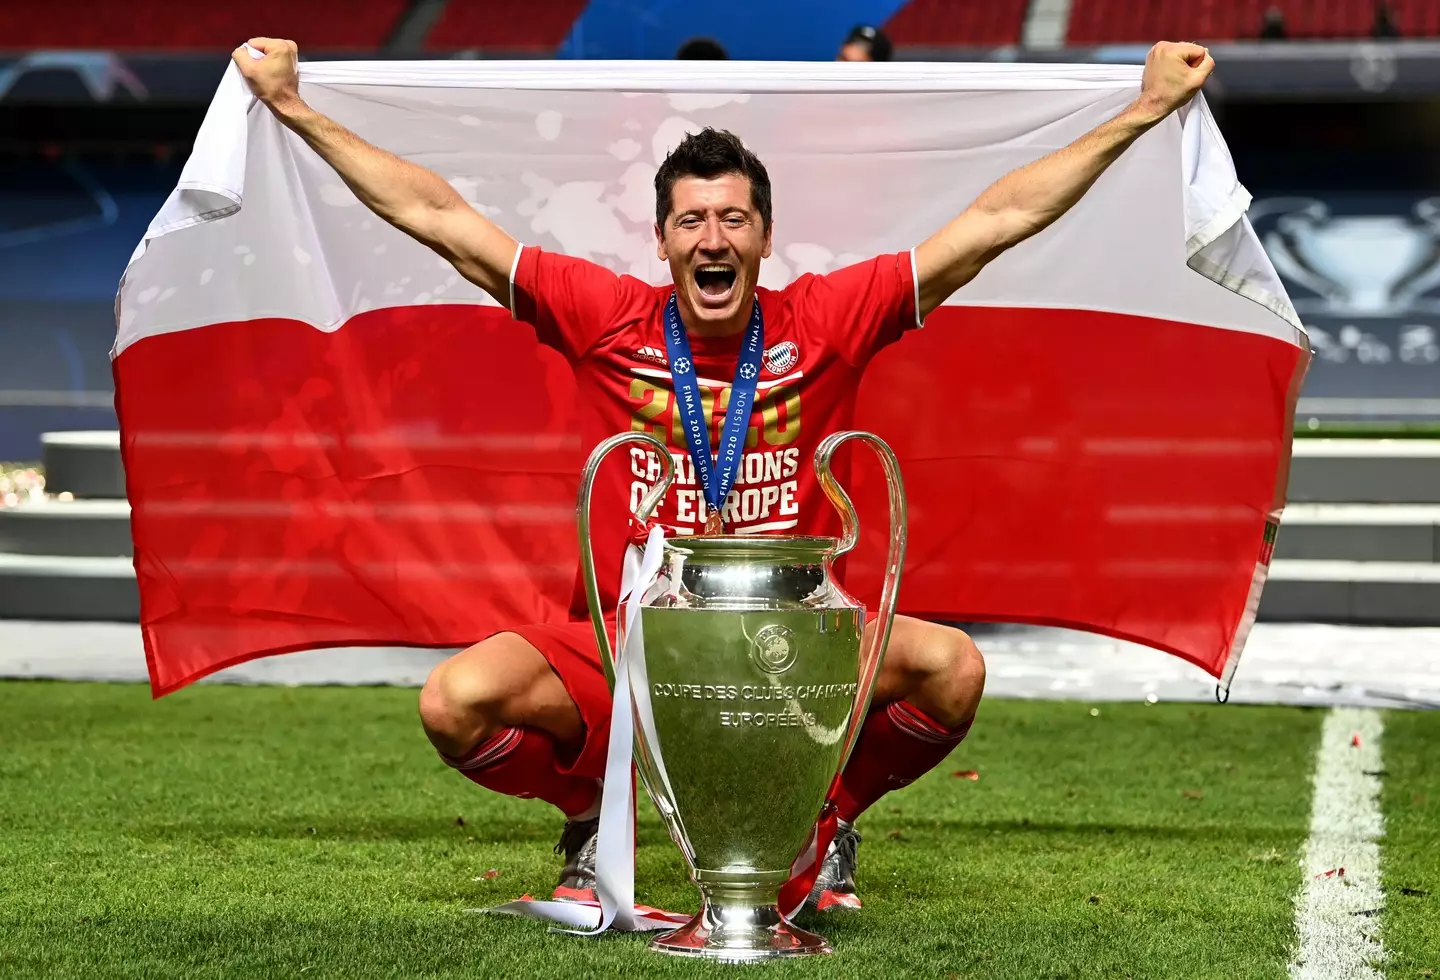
738,932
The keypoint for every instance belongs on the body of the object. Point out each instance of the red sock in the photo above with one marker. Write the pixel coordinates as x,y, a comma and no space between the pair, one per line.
898,744
521,762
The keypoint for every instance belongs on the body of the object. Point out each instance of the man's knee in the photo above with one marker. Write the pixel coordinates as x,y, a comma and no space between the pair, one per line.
919,647
464,698
938,668
962,657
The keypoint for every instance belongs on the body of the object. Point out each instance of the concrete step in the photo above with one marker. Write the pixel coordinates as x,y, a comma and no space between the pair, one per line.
68,587
1359,543
1381,471
86,464
1351,532
1360,532
1372,471
97,528
1394,593
1391,593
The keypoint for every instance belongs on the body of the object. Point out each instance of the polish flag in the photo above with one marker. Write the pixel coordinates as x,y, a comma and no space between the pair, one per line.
330,438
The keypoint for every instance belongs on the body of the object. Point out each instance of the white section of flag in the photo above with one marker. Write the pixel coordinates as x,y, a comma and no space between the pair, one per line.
259,226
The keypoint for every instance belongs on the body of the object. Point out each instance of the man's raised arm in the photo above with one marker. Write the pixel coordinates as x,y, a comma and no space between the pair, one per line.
1028,200
413,199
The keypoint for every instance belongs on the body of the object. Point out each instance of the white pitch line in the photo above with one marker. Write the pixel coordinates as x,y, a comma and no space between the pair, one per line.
1337,915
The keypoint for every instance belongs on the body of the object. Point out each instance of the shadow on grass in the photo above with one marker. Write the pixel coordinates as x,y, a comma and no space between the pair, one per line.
442,827
334,827
1040,828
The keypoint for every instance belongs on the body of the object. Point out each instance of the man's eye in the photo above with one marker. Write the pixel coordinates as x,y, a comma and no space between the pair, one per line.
735,221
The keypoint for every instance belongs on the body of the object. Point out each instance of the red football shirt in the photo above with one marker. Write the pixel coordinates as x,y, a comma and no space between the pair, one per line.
819,333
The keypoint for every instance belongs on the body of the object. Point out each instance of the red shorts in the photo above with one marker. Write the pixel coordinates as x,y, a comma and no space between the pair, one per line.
571,652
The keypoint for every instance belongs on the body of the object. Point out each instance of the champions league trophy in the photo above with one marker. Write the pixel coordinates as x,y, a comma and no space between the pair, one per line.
757,683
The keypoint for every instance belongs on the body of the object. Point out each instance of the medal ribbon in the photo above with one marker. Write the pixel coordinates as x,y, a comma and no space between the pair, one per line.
715,478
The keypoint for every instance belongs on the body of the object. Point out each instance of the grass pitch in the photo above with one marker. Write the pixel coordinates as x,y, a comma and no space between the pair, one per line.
1410,852
269,832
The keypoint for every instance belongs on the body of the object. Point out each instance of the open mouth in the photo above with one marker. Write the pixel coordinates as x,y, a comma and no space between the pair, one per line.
715,281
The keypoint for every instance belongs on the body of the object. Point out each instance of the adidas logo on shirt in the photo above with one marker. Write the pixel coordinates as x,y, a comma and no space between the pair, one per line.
652,354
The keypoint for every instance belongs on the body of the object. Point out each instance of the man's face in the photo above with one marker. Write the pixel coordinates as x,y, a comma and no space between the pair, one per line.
714,240
854,51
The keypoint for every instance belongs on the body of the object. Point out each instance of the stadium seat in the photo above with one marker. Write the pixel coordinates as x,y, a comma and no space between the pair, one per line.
504,25
182,25
1120,21
969,23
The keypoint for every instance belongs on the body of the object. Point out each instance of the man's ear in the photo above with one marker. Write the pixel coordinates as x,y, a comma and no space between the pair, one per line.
765,254
660,245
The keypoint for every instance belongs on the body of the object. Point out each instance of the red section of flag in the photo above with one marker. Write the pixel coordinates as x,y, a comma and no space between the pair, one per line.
1081,468
411,478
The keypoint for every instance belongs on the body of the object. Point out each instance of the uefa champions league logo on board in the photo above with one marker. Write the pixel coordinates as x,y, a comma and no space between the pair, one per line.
1375,266
1360,265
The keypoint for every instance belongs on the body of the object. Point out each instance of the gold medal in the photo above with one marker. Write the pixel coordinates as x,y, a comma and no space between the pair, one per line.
714,524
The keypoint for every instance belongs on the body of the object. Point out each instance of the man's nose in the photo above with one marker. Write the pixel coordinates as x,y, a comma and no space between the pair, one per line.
712,238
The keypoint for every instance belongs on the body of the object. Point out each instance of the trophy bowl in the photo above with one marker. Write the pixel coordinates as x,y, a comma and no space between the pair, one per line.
757,673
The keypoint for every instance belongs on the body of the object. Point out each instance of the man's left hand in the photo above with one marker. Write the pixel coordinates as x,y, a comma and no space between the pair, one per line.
1174,72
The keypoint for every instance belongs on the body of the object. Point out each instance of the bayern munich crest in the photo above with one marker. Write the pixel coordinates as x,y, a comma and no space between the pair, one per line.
782,357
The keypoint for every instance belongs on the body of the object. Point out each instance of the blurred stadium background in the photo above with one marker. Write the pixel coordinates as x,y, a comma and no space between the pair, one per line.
267,831
1333,117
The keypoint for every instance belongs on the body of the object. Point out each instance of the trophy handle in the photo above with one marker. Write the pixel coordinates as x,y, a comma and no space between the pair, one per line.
872,654
582,520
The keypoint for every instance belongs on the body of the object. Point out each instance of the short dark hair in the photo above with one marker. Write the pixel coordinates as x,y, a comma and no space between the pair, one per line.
702,49
709,154
874,39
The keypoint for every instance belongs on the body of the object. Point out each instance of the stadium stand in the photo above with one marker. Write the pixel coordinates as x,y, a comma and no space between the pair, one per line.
182,25
504,25
541,25
969,23
1113,21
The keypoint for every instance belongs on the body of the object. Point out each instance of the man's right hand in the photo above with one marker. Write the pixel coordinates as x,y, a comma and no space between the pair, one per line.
274,77
420,203
1174,72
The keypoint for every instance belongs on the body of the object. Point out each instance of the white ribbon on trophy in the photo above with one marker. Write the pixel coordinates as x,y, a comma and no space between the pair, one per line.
615,843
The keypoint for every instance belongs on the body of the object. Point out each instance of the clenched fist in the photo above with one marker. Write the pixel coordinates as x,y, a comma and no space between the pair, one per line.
274,77
1174,72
